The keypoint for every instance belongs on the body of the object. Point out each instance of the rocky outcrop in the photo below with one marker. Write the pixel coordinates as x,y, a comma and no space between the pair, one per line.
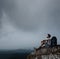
45,53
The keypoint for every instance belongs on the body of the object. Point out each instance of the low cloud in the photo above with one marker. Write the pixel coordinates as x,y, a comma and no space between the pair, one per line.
30,17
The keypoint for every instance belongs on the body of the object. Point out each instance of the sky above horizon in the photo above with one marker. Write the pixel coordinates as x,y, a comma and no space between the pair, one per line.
24,23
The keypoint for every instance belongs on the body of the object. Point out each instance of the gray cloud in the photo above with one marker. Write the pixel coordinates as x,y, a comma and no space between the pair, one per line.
24,14
29,15
38,16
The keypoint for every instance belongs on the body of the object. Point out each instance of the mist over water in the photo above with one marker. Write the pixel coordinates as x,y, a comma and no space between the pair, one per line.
24,23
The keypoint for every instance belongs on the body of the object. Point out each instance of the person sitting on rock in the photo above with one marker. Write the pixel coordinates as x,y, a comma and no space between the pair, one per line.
46,42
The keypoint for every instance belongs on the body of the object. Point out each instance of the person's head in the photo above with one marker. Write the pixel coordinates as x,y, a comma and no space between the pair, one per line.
48,35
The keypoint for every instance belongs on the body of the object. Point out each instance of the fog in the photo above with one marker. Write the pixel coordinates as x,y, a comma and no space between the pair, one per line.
24,23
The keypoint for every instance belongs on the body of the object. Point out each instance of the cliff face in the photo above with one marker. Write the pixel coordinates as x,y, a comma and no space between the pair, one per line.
46,53
44,57
49,57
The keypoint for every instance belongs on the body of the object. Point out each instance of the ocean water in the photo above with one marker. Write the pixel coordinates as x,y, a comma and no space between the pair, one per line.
14,54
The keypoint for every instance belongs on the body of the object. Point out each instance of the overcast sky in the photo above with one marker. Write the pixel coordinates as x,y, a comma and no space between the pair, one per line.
24,23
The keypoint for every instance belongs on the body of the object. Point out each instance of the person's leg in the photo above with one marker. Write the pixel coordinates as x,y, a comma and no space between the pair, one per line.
46,45
42,45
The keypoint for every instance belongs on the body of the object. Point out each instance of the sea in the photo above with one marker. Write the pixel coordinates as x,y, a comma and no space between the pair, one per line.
14,54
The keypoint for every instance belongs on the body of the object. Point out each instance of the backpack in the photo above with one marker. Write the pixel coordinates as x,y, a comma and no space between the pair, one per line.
53,41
